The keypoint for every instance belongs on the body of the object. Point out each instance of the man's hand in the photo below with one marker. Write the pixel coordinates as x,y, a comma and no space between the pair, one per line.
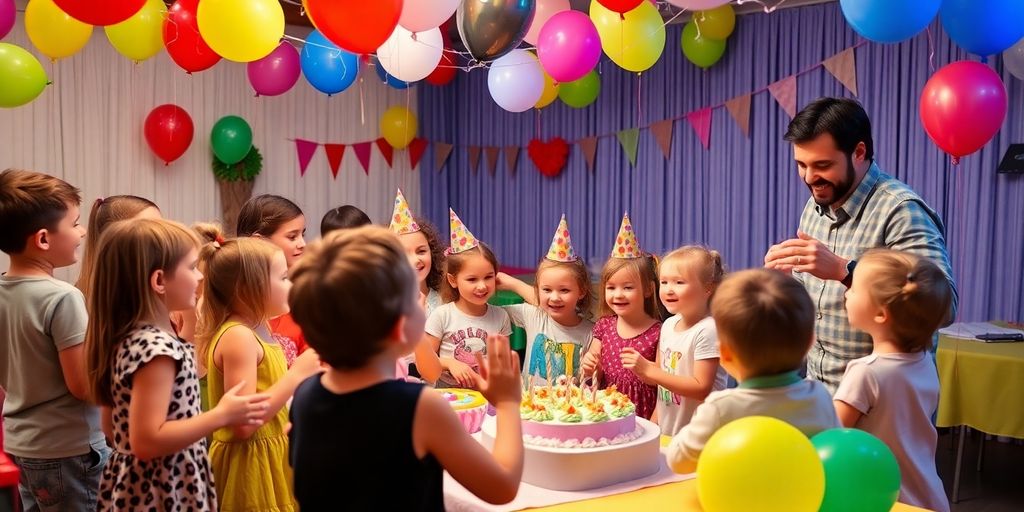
805,254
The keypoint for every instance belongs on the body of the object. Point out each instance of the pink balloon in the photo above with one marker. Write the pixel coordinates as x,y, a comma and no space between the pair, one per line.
6,17
962,107
423,15
698,5
276,73
569,46
545,10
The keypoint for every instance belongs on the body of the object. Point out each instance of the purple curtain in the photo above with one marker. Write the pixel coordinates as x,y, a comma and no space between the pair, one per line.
743,194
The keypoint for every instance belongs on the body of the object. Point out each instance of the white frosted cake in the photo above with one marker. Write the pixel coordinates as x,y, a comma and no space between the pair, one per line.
582,438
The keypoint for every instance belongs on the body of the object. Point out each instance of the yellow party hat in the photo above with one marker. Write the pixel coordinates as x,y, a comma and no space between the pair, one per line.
402,222
561,244
461,239
626,245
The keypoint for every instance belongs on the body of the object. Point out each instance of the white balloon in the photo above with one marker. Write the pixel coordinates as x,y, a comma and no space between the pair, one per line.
1013,59
421,15
411,59
516,81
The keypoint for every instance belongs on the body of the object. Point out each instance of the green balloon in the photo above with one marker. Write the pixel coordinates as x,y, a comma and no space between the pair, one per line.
231,139
701,51
21,74
861,473
580,93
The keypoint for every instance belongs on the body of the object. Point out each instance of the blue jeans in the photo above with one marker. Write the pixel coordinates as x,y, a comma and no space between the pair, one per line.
68,484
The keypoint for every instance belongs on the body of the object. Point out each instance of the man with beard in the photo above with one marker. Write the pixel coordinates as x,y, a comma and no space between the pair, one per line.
853,207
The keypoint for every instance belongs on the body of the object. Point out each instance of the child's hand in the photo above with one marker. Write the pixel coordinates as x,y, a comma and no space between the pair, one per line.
238,410
590,362
306,365
636,363
500,379
463,373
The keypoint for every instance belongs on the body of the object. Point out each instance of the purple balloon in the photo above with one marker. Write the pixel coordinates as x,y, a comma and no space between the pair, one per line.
276,73
6,17
568,46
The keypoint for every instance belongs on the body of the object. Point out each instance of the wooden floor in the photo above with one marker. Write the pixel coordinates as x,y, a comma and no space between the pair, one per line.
998,487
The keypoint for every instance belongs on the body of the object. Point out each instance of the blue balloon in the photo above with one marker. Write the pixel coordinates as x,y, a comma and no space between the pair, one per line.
388,78
889,21
983,27
327,68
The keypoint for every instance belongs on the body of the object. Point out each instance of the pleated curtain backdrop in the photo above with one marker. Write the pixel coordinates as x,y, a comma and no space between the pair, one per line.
743,194
87,129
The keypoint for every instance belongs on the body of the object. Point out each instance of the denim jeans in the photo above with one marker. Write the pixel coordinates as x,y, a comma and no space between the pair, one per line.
68,484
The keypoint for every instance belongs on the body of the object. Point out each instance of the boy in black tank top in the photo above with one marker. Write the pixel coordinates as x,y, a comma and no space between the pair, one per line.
360,439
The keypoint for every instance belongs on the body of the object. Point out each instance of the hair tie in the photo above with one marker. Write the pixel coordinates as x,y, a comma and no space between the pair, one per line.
219,239
99,200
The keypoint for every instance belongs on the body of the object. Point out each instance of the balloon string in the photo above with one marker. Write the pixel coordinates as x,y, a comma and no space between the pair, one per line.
931,56
362,102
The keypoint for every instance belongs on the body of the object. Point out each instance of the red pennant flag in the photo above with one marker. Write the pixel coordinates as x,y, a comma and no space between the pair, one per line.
701,123
335,153
416,149
362,150
386,150
589,148
441,152
662,131
474,158
511,158
305,149
492,158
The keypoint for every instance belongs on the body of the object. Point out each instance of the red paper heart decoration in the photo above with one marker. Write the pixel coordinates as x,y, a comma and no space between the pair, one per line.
549,156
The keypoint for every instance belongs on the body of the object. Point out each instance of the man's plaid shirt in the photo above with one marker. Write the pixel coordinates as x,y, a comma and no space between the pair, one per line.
881,212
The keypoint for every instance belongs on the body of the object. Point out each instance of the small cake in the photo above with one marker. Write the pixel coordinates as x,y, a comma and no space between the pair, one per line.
469,405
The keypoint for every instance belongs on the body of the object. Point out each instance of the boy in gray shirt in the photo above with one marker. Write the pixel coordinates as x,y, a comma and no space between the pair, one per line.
53,434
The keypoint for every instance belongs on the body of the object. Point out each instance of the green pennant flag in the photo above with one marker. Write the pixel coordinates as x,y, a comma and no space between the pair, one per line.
628,139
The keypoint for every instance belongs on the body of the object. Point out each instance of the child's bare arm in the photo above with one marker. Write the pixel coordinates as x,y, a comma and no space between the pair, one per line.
512,284
848,415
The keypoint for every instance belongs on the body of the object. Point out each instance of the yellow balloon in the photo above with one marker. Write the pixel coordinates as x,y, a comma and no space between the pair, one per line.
550,92
760,463
717,23
633,40
398,127
241,30
54,32
141,36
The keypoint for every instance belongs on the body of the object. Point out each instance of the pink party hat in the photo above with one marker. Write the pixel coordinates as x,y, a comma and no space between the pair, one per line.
402,222
561,244
626,246
461,239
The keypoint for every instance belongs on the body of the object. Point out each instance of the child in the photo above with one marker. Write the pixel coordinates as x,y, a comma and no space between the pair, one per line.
362,438
459,329
687,368
281,222
765,322
555,309
343,217
425,253
246,283
106,211
53,434
900,300
144,269
630,319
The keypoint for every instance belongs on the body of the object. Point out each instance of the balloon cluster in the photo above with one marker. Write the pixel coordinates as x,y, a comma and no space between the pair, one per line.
704,37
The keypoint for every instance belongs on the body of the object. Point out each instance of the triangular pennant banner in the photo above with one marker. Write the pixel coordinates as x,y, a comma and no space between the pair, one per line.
739,109
474,158
416,149
843,66
628,139
386,150
701,123
441,152
305,150
491,152
784,92
662,131
335,152
589,148
362,150
511,159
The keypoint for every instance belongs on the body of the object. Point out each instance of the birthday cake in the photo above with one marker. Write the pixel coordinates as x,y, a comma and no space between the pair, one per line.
469,405
579,437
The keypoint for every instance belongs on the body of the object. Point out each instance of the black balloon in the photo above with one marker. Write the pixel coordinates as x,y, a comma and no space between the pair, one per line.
492,28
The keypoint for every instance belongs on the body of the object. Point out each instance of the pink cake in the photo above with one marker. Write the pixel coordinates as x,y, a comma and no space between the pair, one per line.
469,405
567,416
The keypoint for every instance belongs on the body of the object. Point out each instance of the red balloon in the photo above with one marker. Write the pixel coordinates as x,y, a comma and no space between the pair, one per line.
181,37
620,6
962,107
100,13
168,132
445,71
359,26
